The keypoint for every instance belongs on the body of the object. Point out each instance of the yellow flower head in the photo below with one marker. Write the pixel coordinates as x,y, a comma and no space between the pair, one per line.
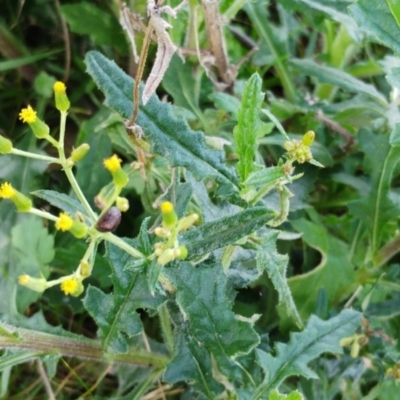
166,207
64,222
7,191
69,286
59,87
113,163
28,115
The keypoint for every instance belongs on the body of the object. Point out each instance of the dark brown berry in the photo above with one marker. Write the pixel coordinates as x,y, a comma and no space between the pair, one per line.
109,221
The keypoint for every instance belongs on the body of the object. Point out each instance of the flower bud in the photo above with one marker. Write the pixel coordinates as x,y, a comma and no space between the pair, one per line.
80,152
122,204
79,229
5,145
166,257
36,284
181,253
22,202
60,97
40,129
187,222
168,213
85,269
120,178
308,138
162,232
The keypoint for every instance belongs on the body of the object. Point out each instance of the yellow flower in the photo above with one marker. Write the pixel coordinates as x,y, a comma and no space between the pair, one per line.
64,222
28,115
113,163
168,213
166,207
7,191
69,286
59,87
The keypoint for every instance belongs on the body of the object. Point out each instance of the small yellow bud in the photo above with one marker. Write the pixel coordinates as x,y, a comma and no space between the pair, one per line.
64,222
70,286
187,222
308,138
162,232
80,152
85,269
36,284
61,99
122,204
21,202
168,213
5,145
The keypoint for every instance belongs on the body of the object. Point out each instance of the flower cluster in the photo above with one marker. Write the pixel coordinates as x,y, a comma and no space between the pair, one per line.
169,249
300,150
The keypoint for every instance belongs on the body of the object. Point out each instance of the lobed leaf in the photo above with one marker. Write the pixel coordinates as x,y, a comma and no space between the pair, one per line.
248,123
169,137
292,358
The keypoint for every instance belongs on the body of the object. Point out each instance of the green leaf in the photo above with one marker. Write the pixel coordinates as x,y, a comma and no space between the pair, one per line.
265,176
61,201
226,102
115,313
202,299
191,362
101,26
275,395
334,274
292,358
179,83
14,357
276,265
248,123
338,78
378,208
394,6
19,62
224,231
375,17
169,137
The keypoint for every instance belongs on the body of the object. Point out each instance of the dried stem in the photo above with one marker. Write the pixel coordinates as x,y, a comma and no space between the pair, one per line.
217,41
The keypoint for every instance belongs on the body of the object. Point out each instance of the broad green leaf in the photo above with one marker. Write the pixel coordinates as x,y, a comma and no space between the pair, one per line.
248,123
334,274
338,78
275,41
275,395
292,358
224,231
394,6
115,313
378,208
61,201
226,102
169,137
375,17
265,176
86,18
275,264
178,81
202,298
191,362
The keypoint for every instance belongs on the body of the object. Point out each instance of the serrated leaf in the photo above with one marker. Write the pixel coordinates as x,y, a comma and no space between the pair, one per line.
375,17
191,362
201,297
275,395
292,358
169,137
224,231
378,208
337,77
334,274
276,265
115,313
248,123
61,201
265,176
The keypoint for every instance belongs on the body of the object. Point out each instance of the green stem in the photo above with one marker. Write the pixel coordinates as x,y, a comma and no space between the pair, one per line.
43,214
122,245
68,170
233,9
36,156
